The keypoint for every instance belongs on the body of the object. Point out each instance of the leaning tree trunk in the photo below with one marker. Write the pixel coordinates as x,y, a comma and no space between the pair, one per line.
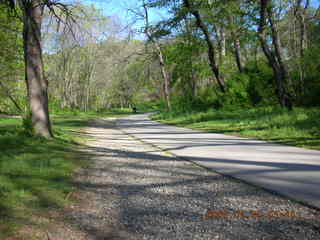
36,84
165,75
211,50
164,72
275,57
236,43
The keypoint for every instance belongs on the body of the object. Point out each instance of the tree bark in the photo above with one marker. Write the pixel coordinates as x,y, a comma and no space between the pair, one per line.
165,75
222,44
236,44
37,85
211,50
237,50
164,72
301,14
275,57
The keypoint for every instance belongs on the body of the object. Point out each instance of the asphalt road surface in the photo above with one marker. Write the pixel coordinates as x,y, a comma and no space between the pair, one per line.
290,171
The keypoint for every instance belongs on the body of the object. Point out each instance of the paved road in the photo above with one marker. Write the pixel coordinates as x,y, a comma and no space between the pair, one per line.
291,171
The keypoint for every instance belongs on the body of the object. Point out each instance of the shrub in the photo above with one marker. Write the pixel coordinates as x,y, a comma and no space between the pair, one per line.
27,124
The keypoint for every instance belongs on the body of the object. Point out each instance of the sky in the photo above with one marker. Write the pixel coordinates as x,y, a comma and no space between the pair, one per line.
120,8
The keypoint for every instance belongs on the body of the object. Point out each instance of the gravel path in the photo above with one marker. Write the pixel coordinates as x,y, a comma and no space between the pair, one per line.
133,191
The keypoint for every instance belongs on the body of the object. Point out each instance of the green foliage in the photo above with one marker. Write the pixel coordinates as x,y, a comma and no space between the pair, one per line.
252,88
148,107
27,125
261,90
182,59
308,89
182,103
237,93
12,84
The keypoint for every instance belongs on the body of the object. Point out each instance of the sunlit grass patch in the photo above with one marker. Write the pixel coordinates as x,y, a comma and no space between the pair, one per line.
5,122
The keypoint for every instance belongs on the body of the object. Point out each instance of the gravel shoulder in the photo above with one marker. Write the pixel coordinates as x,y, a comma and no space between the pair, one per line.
134,191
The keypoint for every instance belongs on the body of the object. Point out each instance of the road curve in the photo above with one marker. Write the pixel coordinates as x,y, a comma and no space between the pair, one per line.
290,171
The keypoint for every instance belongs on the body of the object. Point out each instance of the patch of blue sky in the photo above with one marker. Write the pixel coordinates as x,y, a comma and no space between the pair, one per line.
123,10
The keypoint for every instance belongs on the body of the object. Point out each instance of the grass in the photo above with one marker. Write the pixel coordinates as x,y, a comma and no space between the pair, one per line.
300,127
35,174
5,122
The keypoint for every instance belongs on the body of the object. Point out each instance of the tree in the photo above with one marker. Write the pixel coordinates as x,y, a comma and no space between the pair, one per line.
37,85
11,62
159,52
211,49
274,55
88,61
32,12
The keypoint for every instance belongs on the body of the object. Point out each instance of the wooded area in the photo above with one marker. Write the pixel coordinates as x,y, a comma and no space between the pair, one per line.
201,55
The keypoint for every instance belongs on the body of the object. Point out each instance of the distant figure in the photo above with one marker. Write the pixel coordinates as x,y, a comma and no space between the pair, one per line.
134,109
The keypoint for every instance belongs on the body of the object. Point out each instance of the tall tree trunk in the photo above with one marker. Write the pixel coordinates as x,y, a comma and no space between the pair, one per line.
237,51
222,44
301,15
165,76
236,43
275,57
164,72
211,52
37,86
192,80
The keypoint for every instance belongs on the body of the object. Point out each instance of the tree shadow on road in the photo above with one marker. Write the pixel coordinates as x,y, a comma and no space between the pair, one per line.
162,196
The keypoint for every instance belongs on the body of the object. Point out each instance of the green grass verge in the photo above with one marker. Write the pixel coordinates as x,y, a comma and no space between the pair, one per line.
300,127
9,122
35,174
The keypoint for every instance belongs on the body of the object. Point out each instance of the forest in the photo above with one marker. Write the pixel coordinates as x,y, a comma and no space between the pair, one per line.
201,55
210,54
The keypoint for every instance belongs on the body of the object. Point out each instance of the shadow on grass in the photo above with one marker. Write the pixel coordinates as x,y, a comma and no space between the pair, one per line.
35,174
82,120
71,123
